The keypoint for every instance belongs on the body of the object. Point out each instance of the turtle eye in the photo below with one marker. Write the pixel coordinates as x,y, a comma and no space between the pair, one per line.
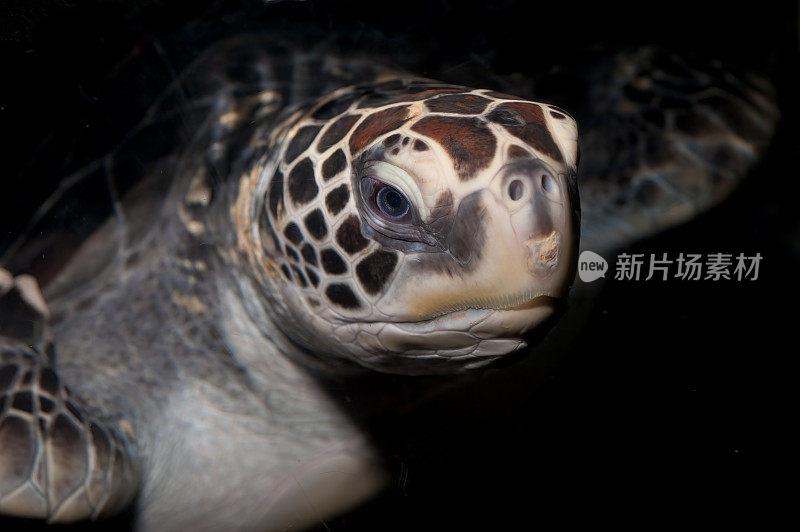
392,202
385,200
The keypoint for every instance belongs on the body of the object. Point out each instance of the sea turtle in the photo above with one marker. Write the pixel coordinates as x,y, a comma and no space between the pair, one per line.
269,241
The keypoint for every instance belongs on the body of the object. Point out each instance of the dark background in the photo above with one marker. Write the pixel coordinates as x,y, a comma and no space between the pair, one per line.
674,404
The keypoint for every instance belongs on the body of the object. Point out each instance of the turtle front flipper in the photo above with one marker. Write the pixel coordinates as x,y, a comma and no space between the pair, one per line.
56,462
668,136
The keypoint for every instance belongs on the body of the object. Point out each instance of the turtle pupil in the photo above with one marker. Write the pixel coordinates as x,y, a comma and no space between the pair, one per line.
392,202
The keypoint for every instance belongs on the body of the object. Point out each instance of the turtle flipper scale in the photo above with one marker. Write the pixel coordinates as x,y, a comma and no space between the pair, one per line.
56,462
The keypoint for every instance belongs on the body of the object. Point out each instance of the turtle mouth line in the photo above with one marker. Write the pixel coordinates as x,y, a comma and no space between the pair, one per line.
534,302
510,321
517,301
464,318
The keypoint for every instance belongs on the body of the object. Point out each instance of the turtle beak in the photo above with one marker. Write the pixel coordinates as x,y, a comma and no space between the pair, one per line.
531,235
540,227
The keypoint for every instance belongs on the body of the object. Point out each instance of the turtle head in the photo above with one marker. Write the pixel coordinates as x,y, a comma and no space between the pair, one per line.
420,228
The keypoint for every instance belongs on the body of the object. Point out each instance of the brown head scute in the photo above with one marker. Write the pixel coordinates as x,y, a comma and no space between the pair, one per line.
534,132
276,194
337,199
468,141
376,125
336,132
505,117
515,152
309,255
334,107
293,233
465,104
333,165
391,140
349,236
374,271
342,295
300,142
315,223
398,91
332,262
302,185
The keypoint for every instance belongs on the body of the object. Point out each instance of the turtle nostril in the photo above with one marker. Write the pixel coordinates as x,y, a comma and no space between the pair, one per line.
549,184
515,189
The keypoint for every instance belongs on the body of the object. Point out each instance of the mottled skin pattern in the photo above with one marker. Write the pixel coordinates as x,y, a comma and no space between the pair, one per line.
190,354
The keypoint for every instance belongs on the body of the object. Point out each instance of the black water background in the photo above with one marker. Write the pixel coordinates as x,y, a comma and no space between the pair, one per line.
676,403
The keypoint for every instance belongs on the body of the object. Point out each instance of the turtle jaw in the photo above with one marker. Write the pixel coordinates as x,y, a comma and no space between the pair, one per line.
450,343
489,323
